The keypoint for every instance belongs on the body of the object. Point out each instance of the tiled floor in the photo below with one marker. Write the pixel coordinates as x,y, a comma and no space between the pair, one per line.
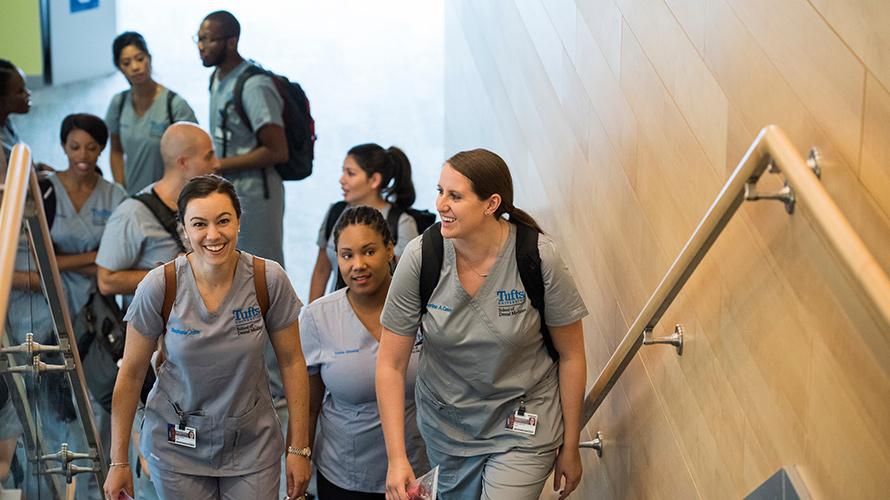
372,70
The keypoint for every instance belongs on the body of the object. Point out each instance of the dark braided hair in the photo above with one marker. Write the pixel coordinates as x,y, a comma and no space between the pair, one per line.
368,216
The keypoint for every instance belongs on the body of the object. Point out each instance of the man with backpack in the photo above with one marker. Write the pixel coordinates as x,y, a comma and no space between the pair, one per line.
262,130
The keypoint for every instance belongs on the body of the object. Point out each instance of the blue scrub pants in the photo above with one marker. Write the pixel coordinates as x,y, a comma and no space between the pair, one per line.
262,485
515,474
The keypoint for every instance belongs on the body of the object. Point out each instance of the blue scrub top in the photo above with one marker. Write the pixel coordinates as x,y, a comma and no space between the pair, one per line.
141,135
349,448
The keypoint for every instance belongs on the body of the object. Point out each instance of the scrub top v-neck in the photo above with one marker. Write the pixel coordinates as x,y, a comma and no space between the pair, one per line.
483,354
214,372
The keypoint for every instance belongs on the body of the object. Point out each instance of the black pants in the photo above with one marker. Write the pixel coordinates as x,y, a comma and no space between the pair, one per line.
330,491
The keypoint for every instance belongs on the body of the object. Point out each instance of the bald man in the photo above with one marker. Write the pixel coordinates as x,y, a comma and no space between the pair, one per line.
142,233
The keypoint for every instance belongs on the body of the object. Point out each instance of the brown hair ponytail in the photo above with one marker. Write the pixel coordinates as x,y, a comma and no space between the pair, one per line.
489,174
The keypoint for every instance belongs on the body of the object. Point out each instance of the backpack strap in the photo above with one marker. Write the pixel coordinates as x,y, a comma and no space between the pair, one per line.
431,256
259,283
48,195
120,107
238,92
528,260
169,289
170,96
392,218
165,216
334,214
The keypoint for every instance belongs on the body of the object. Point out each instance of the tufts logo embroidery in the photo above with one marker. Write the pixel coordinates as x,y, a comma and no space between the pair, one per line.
248,320
511,303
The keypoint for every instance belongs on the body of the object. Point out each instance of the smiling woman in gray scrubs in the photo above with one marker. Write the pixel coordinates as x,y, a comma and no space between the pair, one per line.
341,335
496,412
210,429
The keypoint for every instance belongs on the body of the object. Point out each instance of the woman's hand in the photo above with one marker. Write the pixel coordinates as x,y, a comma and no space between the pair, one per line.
399,475
119,479
297,469
568,466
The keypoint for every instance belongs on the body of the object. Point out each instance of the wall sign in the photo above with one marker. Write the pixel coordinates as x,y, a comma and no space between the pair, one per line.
81,5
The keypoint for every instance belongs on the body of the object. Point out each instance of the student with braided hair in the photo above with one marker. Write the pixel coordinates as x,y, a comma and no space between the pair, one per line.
340,337
372,176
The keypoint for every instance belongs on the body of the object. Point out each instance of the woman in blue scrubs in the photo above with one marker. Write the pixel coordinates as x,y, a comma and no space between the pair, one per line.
138,116
340,335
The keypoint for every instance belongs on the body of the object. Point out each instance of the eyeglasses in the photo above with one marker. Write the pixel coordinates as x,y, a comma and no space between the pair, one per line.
204,40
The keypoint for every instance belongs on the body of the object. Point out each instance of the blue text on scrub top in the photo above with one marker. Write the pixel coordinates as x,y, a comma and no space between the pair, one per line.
436,307
513,297
186,331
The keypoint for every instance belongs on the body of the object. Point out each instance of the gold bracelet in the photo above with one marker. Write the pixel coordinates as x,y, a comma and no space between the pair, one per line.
119,464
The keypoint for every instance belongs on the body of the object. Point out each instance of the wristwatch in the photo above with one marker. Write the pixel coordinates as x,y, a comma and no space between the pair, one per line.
302,452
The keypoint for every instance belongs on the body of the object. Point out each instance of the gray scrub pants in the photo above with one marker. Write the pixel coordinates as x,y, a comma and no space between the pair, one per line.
515,474
262,485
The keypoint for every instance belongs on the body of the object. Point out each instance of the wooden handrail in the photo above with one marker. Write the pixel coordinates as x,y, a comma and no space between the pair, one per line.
15,192
862,271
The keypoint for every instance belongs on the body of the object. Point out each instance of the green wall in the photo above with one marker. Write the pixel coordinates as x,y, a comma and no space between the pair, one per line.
20,35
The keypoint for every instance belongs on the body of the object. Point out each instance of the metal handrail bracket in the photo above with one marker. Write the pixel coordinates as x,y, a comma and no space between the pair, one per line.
771,149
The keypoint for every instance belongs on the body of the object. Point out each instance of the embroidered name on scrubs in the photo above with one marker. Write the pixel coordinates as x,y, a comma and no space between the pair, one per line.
347,351
437,307
100,216
179,328
511,303
248,320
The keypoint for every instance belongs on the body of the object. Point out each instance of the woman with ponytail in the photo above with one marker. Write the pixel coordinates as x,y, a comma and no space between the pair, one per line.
498,412
372,176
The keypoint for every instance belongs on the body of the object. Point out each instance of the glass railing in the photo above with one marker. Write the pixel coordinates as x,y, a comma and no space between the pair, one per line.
49,443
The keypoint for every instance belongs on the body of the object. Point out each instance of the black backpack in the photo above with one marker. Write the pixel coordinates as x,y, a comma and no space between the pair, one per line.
126,95
528,260
299,126
423,219
162,213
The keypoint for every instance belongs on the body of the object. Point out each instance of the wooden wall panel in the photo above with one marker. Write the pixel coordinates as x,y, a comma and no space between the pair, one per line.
621,119
863,26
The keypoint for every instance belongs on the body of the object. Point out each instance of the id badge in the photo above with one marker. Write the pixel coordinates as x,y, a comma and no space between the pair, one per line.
525,423
186,436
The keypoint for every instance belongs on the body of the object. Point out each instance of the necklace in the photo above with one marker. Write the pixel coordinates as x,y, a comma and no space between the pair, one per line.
467,262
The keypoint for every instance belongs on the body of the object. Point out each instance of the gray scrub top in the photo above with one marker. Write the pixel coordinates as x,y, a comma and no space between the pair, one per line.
349,447
407,232
141,135
135,239
483,354
213,371
262,220
73,232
